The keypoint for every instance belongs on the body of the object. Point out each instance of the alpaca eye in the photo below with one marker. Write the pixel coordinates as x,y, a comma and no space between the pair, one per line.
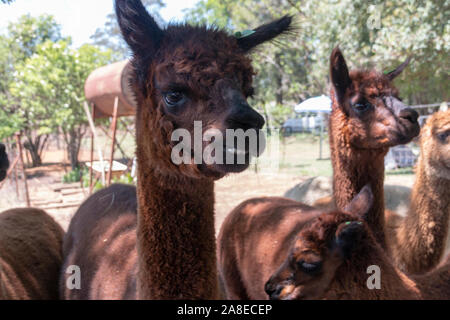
443,136
173,98
310,267
362,106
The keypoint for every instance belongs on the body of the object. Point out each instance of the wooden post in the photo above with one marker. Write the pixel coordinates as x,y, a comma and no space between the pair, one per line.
114,129
19,146
92,125
16,179
321,134
92,151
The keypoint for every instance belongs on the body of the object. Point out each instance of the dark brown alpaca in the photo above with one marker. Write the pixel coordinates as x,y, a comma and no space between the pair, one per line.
330,259
4,163
418,240
30,255
182,74
367,118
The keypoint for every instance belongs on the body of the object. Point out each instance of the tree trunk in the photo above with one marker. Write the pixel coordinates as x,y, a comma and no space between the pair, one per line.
35,147
73,146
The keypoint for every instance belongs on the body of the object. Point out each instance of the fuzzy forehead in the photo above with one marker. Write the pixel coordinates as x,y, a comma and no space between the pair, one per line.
372,83
441,120
323,229
203,55
438,122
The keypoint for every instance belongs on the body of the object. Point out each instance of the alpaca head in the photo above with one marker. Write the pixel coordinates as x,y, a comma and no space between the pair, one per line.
4,163
319,250
435,145
368,107
189,73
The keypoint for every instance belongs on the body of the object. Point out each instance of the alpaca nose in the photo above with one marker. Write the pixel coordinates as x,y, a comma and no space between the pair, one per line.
273,291
245,117
409,114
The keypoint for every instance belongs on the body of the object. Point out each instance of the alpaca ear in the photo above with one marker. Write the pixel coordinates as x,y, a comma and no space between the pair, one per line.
265,33
138,28
340,77
394,73
361,203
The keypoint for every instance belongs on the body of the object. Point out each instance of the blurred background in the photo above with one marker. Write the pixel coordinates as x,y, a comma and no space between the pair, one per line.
48,49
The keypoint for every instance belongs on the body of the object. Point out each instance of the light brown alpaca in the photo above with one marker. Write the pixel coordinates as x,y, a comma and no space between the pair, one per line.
30,255
330,259
418,241
182,74
367,118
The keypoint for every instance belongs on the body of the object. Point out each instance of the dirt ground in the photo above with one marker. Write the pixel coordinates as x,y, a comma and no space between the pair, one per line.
296,162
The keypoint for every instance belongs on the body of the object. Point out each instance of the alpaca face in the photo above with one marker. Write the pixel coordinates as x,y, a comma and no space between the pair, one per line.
186,75
319,251
370,106
4,163
435,145
207,85
315,257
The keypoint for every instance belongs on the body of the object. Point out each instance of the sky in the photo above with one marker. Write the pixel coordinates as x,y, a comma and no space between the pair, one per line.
79,18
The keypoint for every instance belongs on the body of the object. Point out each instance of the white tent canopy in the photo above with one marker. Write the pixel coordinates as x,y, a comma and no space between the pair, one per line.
316,104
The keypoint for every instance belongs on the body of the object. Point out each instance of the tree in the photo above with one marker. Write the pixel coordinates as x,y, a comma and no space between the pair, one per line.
375,33
19,44
109,37
50,86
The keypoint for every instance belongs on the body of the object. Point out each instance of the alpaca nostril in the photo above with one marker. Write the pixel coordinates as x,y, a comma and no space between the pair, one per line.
261,123
269,289
409,114
273,291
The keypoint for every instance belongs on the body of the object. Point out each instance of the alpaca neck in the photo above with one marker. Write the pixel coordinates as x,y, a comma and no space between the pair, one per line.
175,236
427,220
435,284
353,168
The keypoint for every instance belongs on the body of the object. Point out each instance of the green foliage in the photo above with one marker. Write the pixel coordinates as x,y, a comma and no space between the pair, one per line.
42,91
75,175
375,33
50,88
19,44
123,179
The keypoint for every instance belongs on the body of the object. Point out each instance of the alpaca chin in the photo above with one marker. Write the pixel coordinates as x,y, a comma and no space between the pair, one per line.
405,133
2,174
218,171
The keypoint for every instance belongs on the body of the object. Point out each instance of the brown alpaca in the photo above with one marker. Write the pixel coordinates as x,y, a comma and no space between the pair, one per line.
181,74
330,259
418,240
367,118
254,243
30,255
4,163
